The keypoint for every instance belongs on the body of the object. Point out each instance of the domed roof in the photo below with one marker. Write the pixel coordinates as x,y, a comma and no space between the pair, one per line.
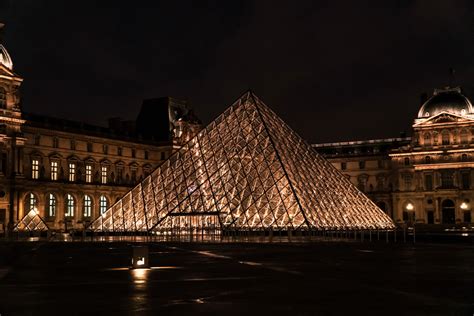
5,58
449,100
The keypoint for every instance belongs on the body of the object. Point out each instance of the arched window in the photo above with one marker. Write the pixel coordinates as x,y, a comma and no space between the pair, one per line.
70,205
31,202
102,204
51,205
427,139
445,137
3,98
427,159
87,206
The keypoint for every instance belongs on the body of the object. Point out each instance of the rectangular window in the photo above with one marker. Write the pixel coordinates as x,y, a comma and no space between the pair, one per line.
146,154
134,175
430,217
37,140
428,182
467,216
103,174
343,166
407,182
105,149
88,173
73,144
72,172
134,153
55,142
35,169
54,170
162,155
89,147
447,179
466,180
362,164
119,151
119,175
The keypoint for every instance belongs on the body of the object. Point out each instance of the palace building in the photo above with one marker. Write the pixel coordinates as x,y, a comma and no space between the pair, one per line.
70,172
422,179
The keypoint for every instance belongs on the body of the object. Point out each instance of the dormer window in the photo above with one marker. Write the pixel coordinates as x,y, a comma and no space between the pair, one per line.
3,98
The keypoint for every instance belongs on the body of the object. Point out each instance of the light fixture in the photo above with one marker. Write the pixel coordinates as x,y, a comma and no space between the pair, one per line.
464,206
409,207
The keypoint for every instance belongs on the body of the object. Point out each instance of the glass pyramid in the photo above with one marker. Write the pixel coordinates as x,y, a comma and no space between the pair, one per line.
247,170
31,222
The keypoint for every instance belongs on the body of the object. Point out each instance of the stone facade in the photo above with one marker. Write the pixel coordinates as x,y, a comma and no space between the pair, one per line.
70,172
423,179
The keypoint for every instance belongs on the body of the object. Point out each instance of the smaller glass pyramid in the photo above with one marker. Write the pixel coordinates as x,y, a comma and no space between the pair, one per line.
247,170
31,222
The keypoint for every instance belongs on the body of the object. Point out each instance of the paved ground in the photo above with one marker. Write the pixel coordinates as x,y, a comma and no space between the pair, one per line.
324,278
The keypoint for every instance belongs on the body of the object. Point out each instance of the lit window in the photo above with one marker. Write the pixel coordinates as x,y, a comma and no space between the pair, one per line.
87,206
103,175
51,205
72,172
69,206
88,173
35,169
30,202
54,170
102,204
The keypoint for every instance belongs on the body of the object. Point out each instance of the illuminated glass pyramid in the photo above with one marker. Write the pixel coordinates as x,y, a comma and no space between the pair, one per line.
247,170
31,222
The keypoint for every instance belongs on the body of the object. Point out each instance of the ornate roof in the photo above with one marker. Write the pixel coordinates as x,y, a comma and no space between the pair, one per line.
450,100
5,58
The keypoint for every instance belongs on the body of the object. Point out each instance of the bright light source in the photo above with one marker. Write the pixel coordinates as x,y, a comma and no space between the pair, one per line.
140,261
464,206
409,207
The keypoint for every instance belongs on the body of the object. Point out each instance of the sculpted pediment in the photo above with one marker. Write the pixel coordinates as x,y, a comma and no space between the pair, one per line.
444,117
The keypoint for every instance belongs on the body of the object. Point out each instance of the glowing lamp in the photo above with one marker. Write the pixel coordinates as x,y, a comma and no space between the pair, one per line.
409,207
140,257
464,206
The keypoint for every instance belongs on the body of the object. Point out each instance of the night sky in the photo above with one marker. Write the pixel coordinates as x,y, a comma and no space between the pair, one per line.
333,70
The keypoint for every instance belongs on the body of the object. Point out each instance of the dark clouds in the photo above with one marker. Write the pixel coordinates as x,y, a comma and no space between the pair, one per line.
334,70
